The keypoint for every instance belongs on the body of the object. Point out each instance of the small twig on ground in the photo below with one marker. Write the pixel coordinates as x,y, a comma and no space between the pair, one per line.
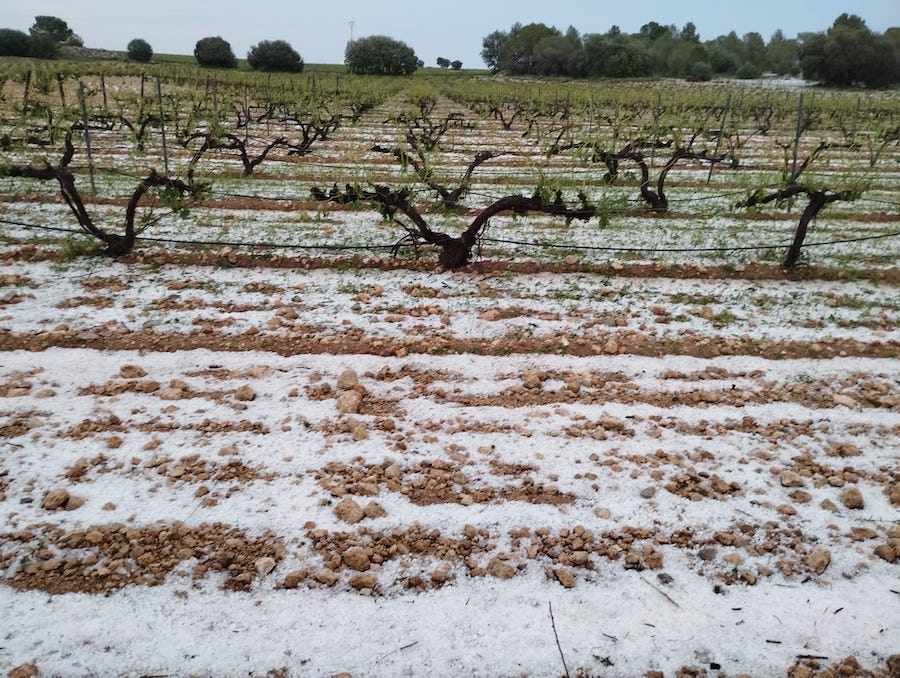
661,592
399,649
558,646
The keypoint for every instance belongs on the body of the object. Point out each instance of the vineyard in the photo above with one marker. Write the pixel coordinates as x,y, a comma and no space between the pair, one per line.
445,375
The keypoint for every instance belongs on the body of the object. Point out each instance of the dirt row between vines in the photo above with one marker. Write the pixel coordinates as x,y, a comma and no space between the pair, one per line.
432,459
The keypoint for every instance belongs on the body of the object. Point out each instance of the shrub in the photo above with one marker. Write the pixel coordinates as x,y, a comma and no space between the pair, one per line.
380,55
748,72
274,55
14,43
42,47
214,52
700,71
140,50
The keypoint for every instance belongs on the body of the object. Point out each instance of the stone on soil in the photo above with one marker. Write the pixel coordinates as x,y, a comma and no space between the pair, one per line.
55,499
325,576
347,379
374,510
349,402
852,498
362,580
818,559
24,671
132,372
791,479
565,576
245,393
349,511
501,569
265,565
357,559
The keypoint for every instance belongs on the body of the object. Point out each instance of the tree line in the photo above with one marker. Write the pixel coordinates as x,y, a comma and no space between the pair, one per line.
373,55
847,54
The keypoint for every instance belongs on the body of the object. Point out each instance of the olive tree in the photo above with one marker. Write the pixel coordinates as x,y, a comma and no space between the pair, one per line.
274,55
380,55
214,52
139,50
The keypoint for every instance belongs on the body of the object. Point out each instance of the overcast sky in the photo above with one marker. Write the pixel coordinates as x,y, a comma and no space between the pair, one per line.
452,29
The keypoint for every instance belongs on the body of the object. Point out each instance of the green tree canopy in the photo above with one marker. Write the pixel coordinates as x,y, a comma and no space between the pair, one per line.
139,50
517,53
380,55
848,54
54,29
214,52
490,49
615,56
274,55
14,43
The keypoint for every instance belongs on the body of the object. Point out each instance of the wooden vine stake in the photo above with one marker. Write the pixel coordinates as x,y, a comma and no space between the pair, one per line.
87,135
162,125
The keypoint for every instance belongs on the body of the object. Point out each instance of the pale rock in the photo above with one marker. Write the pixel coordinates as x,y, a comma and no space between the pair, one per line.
648,492
374,510
531,379
818,559
611,347
580,558
349,511
565,576
132,372
74,502
325,576
245,393
357,559
491,315
829,505
293,579
791,479
349,402
885,552
24,671
171,394
363,580
852,498
360,432
347,379
501,569
55,499
265,565
844,400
